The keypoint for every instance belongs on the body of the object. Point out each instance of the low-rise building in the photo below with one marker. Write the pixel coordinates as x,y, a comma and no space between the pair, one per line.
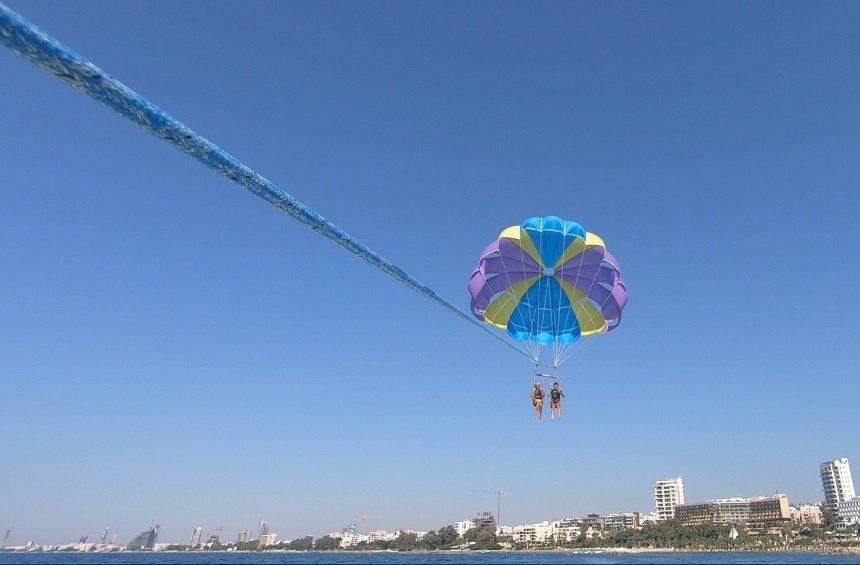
848,514
350,538
463,526
557,531
267,540
758,511
769,510
805,514
695,513
382,535
593,521
419,535
621,520
538,533
484,519
566,531
733,510
213,539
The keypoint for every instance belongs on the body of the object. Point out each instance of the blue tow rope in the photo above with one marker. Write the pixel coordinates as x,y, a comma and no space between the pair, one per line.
39,48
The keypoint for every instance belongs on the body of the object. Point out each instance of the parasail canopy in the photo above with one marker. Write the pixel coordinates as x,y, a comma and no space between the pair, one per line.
548,283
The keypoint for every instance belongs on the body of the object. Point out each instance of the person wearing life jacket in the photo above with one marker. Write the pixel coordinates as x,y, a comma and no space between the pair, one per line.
537,400
555,396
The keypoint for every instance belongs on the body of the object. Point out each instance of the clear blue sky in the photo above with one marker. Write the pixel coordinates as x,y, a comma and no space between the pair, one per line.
174,349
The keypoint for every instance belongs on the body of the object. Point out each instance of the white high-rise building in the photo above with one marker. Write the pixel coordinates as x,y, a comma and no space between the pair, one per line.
837,483
264,529
195,537
668,494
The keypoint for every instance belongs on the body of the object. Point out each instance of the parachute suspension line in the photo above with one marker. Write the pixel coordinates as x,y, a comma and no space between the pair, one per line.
599,308
567,350
50,55
537,311
527,350
575,349
533,348
557,322
588,292
556,346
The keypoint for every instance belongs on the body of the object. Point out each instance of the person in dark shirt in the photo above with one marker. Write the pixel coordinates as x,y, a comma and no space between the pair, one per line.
537,400
555,396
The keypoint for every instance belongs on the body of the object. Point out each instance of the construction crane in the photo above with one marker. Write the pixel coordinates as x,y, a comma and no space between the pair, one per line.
222,530
362,520
499,494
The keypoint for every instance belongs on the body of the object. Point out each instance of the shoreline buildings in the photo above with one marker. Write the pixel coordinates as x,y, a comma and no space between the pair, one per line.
668,494
621,520
196,536
761,515
839,495
849,514
761,511
146,540
484,519
268,539
806,514
837,482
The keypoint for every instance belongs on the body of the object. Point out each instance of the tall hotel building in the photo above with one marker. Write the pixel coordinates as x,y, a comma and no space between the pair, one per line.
837,482
667,495
195,537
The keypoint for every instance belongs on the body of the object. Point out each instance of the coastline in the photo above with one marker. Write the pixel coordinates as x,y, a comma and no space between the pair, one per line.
824,550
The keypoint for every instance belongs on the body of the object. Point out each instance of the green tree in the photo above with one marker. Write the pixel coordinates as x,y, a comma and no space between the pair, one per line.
404,542
253,545
482,538
301,544
327,543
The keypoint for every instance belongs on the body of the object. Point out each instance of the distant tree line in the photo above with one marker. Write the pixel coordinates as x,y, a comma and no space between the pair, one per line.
665,534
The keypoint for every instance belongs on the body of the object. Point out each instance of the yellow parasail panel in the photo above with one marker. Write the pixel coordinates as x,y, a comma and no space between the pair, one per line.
578,246
500,309
590,319
522,239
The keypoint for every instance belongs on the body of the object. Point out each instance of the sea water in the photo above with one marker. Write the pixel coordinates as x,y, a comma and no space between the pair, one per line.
519,558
